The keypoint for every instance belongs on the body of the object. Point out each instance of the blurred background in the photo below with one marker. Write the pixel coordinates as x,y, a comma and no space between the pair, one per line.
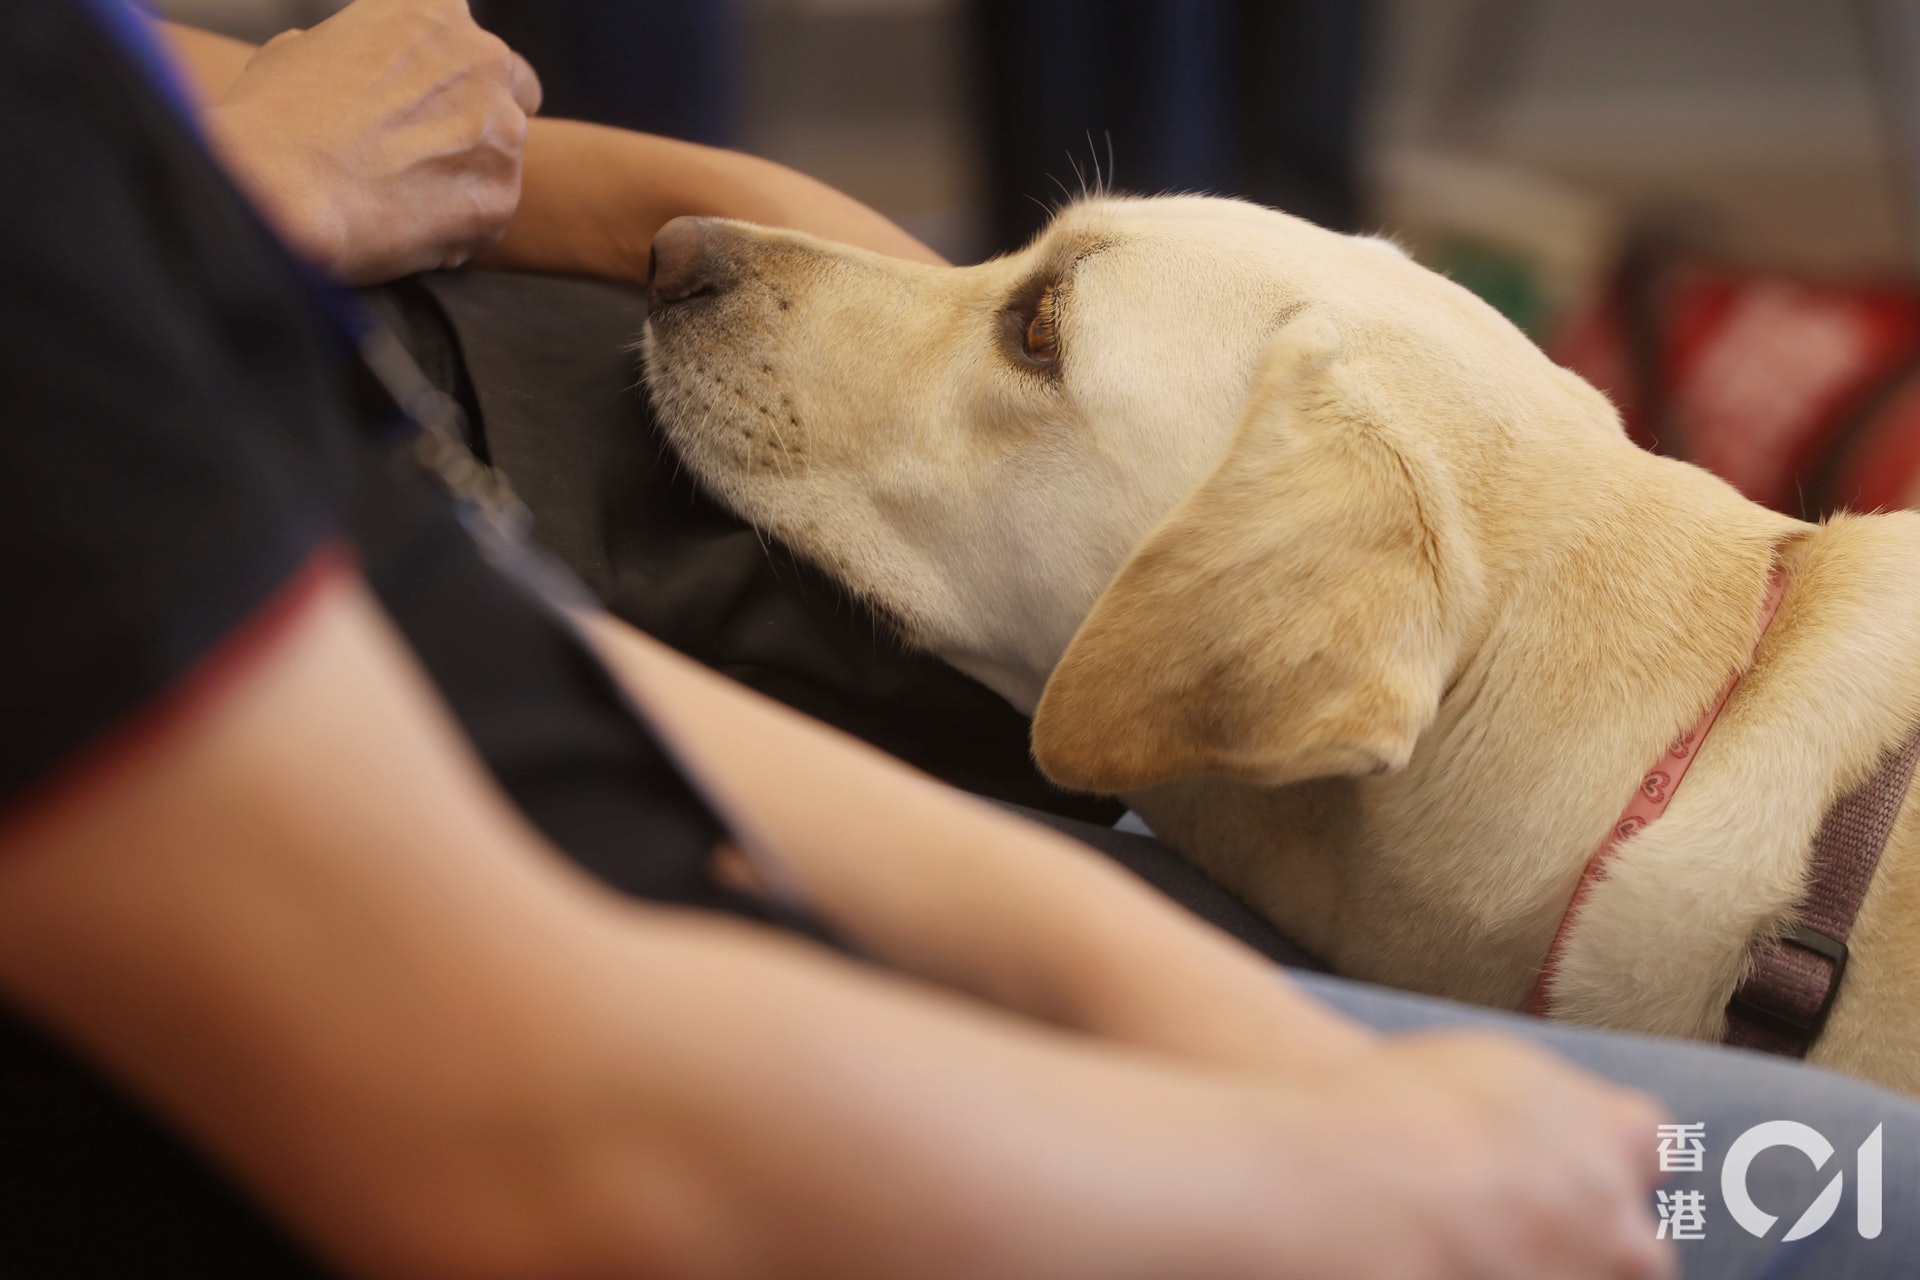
1706,206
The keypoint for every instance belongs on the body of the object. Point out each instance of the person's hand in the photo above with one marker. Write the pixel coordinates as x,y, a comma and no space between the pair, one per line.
385,140
1473,1155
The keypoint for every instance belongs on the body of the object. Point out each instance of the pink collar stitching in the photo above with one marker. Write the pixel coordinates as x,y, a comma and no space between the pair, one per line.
1649,801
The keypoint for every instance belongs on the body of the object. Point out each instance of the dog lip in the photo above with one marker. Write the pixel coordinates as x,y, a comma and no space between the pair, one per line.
664,318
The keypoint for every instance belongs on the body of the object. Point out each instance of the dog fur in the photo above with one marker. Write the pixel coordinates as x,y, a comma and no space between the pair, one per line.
1364,604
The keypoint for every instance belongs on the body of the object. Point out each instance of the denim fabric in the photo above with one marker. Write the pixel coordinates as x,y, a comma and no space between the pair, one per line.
1730,1091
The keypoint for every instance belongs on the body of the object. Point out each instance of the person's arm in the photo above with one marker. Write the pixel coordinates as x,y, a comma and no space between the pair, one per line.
590,198
936,883
594,196
304,927
212,62
308,931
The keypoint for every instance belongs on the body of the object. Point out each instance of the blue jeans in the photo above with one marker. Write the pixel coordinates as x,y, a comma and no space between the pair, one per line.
1730,1092
1726,1090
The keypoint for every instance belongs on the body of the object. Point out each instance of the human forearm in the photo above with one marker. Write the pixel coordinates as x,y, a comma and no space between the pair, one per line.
851,1125
944,886
305,928
593,197
211,62
291,928
311,935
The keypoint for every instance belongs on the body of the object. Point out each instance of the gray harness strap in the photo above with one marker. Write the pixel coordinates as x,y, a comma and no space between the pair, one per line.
1792,980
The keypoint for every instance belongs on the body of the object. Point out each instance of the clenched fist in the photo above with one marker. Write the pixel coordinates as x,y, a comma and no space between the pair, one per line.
385,140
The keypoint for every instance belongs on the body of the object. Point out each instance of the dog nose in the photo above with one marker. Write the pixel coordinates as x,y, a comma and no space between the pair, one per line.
683,264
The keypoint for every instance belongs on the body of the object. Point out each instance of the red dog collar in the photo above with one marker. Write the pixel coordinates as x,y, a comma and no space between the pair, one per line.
1649,801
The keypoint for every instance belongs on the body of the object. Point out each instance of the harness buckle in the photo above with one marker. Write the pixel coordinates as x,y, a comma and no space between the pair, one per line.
1774,1018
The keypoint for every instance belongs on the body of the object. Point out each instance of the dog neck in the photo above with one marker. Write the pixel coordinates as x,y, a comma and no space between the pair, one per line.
1615,619
1649,801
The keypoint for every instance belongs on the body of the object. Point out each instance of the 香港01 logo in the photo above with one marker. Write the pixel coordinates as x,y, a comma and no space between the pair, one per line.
1683,1149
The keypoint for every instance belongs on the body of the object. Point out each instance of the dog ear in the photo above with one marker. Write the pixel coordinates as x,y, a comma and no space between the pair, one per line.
1285,621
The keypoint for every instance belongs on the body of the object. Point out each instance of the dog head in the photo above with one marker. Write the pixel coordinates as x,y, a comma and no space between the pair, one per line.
1197,482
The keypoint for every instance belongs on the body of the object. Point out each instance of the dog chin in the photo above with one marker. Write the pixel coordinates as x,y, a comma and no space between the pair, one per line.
724,424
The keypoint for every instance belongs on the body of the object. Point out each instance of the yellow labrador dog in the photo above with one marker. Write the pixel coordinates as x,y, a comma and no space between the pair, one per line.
1363,603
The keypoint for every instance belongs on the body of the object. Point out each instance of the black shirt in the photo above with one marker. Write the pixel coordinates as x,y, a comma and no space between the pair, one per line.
183,427
171,429
182,431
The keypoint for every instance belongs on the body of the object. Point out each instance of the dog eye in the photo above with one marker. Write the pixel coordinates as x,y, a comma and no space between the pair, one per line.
1042,340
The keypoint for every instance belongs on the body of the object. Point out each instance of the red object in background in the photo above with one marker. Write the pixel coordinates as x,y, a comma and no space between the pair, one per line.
1804,395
